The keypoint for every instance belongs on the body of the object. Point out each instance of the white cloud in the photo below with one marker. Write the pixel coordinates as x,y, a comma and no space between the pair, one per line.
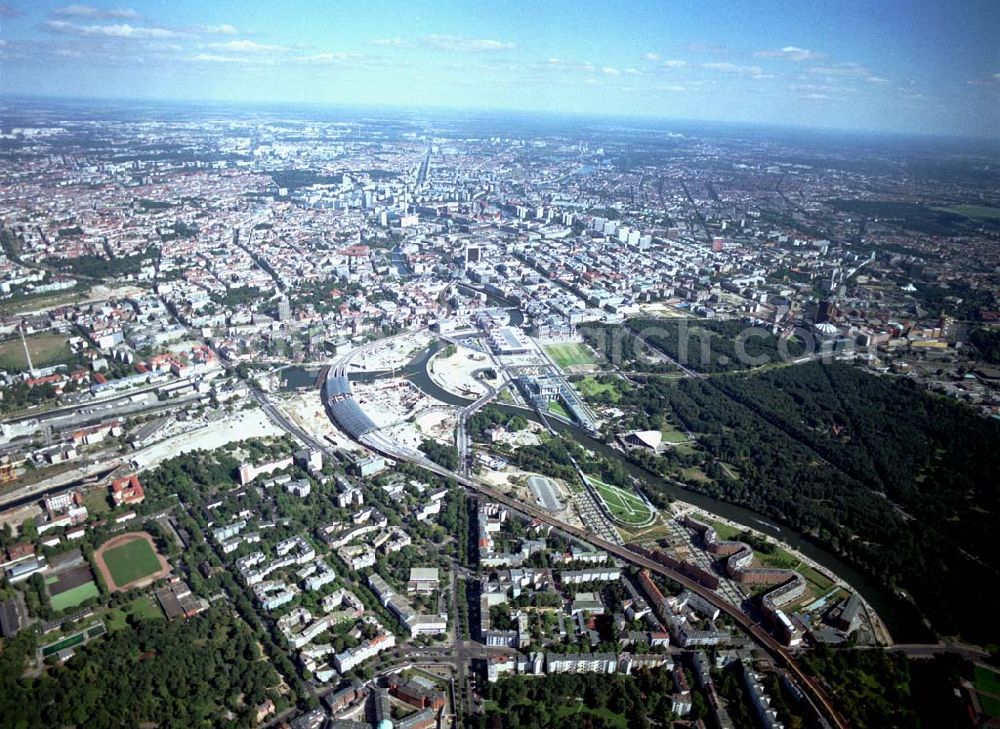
652,56
823,90
117,30
216,58
700,47
579,66
330,57
816,96
792,53
751,71
674,63
390,42
86,11
611,71
848,68
993,80
459,44
246,46
877,80
223,29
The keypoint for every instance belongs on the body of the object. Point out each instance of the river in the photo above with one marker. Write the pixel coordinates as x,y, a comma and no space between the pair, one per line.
299,377
900,618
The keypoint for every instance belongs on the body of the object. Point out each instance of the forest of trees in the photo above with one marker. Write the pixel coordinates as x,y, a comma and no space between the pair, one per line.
180,674
987,341
705,345
20,396
584,701
99,267
884,689
443,455
620,347
715,345
480,421
900,481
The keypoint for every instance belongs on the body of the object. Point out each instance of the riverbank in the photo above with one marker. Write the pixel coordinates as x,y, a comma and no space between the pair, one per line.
879,629
901,621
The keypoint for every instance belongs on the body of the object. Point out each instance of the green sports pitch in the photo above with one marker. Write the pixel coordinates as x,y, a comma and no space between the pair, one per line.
131,561
74,596
569,354
624,506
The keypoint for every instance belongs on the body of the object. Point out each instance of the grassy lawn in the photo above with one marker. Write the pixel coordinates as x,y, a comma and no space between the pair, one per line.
696,474
96,501
132,561
820,584
987,680
569,354
37,302
567,711
74,596
143,608
671,434
47,348
624,505
723,531
976,212
591,389
990,705
557,408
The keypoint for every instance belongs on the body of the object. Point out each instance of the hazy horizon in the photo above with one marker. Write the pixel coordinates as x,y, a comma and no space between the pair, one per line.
99,105
911,67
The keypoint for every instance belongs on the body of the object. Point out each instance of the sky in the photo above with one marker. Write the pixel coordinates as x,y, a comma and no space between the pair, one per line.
883,65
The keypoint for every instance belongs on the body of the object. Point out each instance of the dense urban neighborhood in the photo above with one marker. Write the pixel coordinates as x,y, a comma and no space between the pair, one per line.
326,418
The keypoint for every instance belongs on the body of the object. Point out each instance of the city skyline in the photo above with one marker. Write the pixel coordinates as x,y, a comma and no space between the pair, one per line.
904,67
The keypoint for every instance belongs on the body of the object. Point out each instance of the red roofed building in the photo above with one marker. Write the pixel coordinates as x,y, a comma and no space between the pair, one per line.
20,550
47,380
127,490
80,376
355,251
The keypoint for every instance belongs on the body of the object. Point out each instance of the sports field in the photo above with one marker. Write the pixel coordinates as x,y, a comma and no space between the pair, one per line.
70,587
987,680
623,505
47,348
130,558
74,596
569,354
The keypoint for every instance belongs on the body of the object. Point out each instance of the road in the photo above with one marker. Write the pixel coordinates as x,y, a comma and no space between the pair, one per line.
278,416
462,440
776,650
57,484
815,693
